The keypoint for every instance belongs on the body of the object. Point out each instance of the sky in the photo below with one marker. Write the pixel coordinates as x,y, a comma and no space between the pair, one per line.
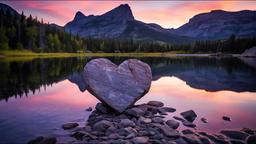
168,14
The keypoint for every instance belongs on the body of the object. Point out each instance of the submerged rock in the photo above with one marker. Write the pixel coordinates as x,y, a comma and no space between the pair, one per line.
189,124
189,115
118,86
69,125
89,109
156,103
204,120
235,134
43,140
226,118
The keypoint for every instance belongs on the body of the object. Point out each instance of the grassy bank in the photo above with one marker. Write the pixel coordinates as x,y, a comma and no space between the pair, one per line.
27,55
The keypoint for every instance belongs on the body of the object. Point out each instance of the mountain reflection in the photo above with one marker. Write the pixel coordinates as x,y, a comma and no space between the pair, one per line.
211,74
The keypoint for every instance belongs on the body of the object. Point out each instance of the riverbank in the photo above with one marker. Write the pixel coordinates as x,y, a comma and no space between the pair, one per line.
23,53
143,124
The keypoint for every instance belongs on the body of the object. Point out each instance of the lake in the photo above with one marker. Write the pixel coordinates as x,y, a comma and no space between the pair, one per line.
38,96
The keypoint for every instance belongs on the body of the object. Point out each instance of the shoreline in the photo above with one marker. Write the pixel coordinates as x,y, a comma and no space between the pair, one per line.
145,123
24,55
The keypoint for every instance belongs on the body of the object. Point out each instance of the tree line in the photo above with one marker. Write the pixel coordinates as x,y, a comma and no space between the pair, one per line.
18,31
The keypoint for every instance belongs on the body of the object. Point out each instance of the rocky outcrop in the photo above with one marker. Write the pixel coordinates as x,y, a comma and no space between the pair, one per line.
113,127
118,86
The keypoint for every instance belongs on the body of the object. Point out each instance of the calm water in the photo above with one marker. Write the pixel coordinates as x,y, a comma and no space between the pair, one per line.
37,97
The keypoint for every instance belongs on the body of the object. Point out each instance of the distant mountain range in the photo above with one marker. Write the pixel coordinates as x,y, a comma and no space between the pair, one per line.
219,24
120,23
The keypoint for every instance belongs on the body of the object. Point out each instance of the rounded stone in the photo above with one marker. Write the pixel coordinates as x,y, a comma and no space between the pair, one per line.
69,126
172,124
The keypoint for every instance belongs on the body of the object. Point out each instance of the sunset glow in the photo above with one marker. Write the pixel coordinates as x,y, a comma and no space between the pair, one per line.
168,14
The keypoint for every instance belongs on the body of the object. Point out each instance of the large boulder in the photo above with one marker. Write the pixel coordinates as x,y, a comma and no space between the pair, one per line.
118,86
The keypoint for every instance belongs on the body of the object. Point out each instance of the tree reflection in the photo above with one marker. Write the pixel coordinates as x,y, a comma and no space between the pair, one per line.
18,78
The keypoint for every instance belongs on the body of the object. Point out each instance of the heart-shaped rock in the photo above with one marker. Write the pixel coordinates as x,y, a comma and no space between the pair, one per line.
118,86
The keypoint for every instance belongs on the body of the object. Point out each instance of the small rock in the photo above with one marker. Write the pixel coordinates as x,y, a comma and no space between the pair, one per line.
167,131
69,126
131,135
101,108
89,109
144,120
247,130
226,118
127,123
153,110
143,133
126,131
189,115
140,140
110,130
155,141
36,140
44,140
187,131
169,109
235,134
204,140
114,136
218,139
157,120
251,139
178,118
181,141
78,135
156,103
161,111
172,124
234,141
102,125
204,120
136,112
189,124
191,139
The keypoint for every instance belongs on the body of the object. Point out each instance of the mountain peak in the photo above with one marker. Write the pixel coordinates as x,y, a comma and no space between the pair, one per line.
5,8
79,15
122,12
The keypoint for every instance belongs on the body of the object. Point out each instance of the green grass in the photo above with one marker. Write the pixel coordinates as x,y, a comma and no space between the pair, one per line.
25,54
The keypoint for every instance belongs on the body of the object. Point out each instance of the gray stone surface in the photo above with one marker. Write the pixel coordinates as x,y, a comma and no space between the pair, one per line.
172,124
118,86
102,125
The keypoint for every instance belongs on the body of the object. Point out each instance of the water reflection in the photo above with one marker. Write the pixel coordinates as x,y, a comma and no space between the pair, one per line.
56,93
211,74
